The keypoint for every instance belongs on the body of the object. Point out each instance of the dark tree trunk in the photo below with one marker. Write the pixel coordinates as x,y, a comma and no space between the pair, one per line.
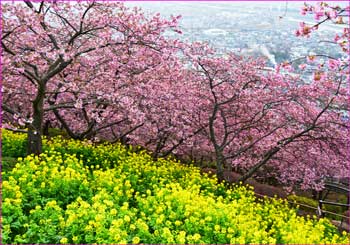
36,129
34,143
46,128
220,165
257,166
219,155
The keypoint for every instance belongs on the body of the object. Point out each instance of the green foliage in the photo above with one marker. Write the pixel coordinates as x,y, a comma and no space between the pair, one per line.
54,132
8,163
304,200
13,144
314,204
119,196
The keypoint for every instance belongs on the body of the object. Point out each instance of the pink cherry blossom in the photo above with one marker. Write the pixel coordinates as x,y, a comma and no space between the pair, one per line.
333,64
302,66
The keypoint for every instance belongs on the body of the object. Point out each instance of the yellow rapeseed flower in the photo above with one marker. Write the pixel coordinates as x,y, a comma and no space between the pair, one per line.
127,218
135,240
113,211
178,223
64,240
196,237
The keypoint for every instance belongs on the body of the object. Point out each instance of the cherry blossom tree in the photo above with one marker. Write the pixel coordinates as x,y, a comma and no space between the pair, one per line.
253,119
330,72
292,125
167,99
71,61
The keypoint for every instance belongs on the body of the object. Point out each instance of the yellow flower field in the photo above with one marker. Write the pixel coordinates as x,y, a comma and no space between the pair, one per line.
77,192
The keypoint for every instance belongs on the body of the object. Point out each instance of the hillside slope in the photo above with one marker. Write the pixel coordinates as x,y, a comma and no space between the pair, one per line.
80,193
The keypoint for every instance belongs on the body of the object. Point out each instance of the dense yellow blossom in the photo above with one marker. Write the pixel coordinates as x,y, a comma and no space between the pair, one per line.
81,193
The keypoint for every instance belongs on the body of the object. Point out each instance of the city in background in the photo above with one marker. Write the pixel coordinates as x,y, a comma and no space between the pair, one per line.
249,28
